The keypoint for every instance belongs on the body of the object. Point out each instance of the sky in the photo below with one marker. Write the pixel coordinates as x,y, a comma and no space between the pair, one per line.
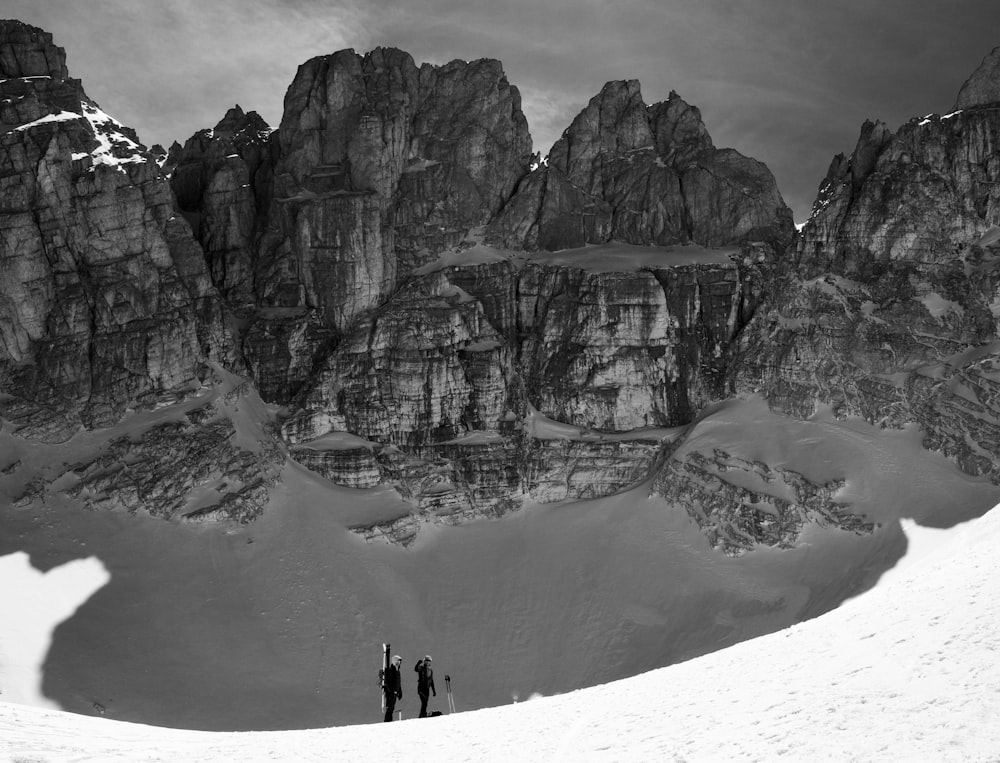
906,671
788,83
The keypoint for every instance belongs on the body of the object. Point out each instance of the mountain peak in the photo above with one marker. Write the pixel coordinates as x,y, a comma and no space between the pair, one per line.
983,87
27,51
236,122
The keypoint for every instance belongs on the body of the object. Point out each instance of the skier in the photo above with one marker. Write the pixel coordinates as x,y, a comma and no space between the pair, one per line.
392,686
425,682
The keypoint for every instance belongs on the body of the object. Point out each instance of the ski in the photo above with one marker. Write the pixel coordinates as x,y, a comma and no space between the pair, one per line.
381,674
451,698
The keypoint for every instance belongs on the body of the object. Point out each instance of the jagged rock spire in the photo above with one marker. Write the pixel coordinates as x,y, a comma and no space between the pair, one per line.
643,174
239,122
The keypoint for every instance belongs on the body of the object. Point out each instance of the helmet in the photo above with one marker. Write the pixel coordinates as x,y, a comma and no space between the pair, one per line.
397,658
427,658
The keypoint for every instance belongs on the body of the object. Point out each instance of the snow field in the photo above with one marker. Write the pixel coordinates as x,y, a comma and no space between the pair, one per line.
907,671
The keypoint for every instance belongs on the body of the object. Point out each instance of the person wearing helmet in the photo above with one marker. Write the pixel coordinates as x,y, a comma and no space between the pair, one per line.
392,686
425,683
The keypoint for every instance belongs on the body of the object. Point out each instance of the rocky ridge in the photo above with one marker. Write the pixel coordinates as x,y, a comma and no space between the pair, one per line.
892,311
431,346
420,306
735,517
106,303
625,171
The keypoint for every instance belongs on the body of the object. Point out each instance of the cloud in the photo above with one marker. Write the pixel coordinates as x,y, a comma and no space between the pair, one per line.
171,69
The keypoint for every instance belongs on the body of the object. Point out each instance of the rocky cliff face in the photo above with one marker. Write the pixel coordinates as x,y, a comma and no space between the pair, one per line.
379,268
620,349
625,171
222,180
106,298
381,165
740,504
106,303
892,313
983,87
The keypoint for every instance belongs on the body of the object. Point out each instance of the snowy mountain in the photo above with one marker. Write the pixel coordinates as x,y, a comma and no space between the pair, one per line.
380,374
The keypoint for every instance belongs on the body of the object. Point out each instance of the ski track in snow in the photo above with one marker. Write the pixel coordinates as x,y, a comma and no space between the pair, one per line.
907,671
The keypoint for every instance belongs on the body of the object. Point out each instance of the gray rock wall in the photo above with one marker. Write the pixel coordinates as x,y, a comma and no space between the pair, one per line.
625,171
382,164
891,313
104,296
306,259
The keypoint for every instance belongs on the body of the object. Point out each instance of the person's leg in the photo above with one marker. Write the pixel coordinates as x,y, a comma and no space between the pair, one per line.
390,706
423,705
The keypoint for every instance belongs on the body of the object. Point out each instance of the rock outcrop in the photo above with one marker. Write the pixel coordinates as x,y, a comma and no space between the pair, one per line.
104,296
381,268
382,164
625,171
619,349
27,51
424,368
222,180
106,303
892,311
983,87
773,510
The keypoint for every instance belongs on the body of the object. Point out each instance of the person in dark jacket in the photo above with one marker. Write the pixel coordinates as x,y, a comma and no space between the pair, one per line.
392,685
425,683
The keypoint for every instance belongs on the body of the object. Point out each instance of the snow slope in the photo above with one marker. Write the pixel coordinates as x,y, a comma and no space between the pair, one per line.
277,625
907,671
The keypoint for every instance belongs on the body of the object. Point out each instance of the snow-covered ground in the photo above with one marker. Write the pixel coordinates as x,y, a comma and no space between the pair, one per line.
277,625
33,603
907,671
